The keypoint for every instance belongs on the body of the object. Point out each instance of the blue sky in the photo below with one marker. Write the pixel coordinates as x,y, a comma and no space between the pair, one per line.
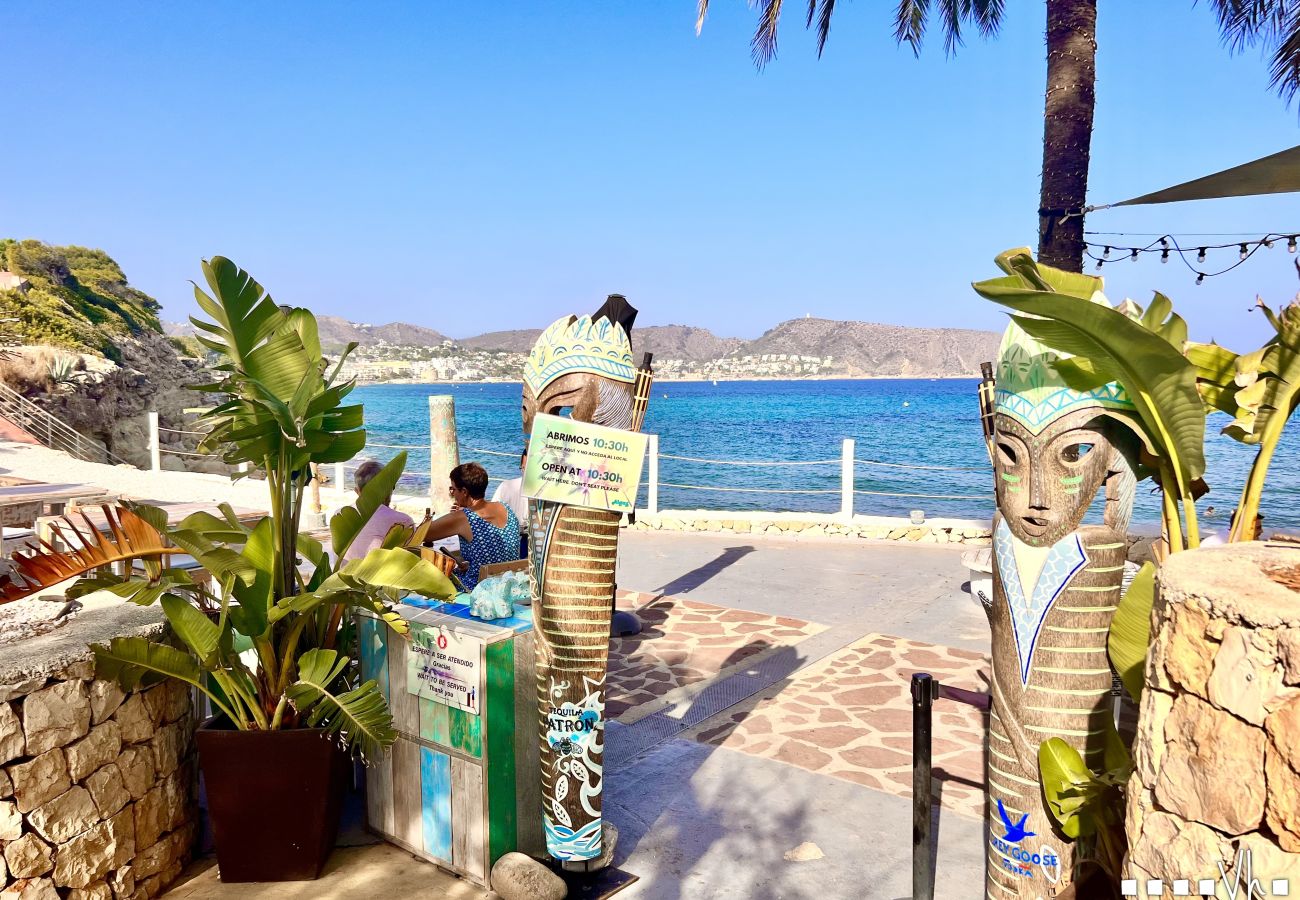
483,167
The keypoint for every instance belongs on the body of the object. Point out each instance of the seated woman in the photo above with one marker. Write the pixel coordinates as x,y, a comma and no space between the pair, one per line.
488,531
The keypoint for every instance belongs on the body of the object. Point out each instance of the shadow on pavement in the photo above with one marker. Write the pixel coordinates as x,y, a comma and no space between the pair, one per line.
699,576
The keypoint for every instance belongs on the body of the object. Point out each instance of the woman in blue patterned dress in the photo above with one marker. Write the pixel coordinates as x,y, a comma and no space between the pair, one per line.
488,531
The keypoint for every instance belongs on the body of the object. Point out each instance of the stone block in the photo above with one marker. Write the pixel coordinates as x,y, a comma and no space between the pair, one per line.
122,829
105,698
122,881
97,891
107,790
20,689
168,745
174,849
56,716
179,702
1288,648
151,816
517,876
29,857
86,858
1207,748
12,742
95,750
30,889
64,817
1245,678
1283,728
6,785
1148,753
178,797
133,716
1188,655
136,766
1283,807
11,821
1170,848
155,702
82,670
40,780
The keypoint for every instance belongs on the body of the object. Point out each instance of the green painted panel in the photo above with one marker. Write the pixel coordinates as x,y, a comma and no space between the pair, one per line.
466,731
502,822
435,724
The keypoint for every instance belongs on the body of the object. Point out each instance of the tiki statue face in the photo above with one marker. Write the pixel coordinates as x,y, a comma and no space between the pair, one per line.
1047,481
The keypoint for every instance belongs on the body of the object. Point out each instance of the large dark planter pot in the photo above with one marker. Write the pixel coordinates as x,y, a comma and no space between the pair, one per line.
274,798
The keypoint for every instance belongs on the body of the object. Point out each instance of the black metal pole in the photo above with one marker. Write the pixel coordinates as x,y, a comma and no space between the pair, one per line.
924,692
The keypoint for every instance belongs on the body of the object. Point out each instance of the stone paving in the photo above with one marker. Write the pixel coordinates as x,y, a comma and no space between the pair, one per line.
686,644
850,717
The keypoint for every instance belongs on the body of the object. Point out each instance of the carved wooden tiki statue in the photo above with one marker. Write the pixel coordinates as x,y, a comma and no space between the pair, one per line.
583,364
1056,585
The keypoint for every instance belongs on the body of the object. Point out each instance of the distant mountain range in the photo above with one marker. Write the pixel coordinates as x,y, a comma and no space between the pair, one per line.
855,348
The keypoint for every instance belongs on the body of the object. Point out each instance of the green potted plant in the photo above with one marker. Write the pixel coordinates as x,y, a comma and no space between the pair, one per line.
265,637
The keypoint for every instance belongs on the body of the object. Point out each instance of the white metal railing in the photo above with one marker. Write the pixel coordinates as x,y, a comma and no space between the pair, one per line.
50,430
847,462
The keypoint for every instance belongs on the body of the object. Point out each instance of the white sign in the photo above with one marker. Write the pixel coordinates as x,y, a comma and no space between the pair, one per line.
445,666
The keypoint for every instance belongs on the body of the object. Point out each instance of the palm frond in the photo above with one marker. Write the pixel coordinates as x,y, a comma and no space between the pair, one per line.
701,11
909,23
40,568
359,718
1271,25
823,21
763,45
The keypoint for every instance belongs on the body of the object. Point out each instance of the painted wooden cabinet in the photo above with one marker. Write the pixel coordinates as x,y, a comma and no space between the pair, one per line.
460,787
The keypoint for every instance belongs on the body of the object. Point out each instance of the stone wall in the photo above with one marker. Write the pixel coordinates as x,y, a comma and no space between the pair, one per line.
98,788
932,531
1217,757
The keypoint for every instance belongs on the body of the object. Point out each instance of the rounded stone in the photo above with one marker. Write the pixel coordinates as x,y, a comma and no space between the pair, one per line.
517,876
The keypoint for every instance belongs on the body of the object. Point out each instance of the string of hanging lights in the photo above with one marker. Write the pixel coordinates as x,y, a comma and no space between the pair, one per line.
1168,244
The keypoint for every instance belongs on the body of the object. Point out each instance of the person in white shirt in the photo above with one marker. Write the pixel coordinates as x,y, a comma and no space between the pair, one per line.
385,517
511,493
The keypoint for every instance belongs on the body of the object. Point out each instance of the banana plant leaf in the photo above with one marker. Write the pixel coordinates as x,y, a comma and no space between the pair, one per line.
359,717
1130,630
1070,788
1271,379
347,523
1137,352
132,537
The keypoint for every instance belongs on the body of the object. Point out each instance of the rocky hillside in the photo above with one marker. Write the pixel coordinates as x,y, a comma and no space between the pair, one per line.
336,333
75,298
92,351
866,348
664,341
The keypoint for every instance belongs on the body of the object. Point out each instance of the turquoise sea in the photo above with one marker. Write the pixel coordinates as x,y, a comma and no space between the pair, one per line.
911,422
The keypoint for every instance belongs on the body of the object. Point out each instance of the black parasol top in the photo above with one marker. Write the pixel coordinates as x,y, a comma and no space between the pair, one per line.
617,309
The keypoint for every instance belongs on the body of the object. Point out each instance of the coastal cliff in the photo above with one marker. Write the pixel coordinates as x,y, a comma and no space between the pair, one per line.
85,345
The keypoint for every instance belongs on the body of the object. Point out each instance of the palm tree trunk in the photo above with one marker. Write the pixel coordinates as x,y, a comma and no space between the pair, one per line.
1067,129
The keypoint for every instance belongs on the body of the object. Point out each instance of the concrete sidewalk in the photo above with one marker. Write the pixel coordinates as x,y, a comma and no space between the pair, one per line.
698,820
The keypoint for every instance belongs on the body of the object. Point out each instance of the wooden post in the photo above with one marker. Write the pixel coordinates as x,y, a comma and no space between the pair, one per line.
846,478
155,448
444,452
652,488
